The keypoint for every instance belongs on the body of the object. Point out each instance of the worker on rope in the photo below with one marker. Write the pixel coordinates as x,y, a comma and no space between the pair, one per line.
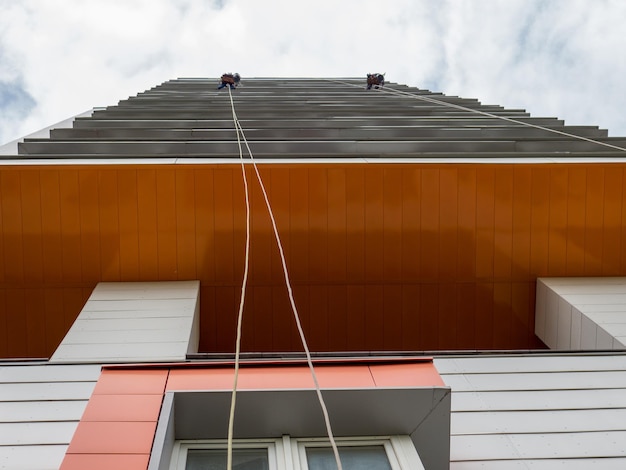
230,79
376,80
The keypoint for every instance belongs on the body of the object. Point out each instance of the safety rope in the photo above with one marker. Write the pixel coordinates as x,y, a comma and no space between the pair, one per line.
233,399
292,302
484,113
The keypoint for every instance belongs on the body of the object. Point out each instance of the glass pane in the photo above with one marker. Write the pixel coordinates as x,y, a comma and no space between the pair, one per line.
215,459
352,458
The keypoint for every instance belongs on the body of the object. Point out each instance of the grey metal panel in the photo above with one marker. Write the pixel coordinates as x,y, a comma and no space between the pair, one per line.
174,306
539,400
543,464
122,352
33,457
49,373
537,381
46,391
539,422
533,363
61,410
57,432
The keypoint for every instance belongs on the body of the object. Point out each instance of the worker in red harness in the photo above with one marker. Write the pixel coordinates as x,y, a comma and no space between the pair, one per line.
229,79
376,80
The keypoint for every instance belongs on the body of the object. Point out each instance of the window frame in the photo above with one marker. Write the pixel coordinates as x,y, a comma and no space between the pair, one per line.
289,453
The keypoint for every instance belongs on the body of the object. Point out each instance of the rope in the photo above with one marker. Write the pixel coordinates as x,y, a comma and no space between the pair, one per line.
491,115
233,399
291,301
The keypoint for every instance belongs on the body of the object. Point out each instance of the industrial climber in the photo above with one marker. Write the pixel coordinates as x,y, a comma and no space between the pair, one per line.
375,79
230,79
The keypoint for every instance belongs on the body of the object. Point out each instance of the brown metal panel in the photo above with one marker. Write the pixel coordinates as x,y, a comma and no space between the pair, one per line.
185,224
109,223
502,318
429,317
466,220
392,317
485,228
226,303
262,244
166,223
34,311
539,221
484,315
281,202
503,222
299,224
208,319
355,224
374,224
318,224
411,233
338,321
521,207
522,315
51,225
337,224
56,325
410,317
612,245
317,327
448,221
355,337
128,224
448,316
392,224
258,334
31,225
466,318
374,317
224,215
16,323
4,330
90,234
575,241
204,224
557,248
147,223
594,214
429,225
12,234
70,225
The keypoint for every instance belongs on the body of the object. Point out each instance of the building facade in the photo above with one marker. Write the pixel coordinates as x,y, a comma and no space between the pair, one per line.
415,227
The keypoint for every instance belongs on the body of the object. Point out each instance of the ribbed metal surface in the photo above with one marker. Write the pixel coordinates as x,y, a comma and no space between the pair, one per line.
312,117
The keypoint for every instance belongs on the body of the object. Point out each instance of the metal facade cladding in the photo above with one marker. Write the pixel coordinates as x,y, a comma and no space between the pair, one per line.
383,256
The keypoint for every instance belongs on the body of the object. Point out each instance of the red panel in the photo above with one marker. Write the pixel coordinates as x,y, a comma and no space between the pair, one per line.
105,461
250,378
422,374
137,382
123,408
98,437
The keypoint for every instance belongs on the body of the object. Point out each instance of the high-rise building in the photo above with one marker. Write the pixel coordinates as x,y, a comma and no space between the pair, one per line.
456,269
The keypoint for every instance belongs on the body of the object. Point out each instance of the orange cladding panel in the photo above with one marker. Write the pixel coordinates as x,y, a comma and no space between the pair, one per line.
381,256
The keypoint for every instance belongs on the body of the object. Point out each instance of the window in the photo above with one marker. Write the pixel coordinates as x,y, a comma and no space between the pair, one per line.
364,453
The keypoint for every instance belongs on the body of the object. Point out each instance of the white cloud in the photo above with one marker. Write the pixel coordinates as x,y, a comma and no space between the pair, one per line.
551,57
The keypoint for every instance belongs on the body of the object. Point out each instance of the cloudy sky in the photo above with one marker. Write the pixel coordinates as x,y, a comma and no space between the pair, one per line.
561,58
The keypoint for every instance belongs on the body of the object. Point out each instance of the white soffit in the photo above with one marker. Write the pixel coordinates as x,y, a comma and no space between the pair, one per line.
135,321
581,313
